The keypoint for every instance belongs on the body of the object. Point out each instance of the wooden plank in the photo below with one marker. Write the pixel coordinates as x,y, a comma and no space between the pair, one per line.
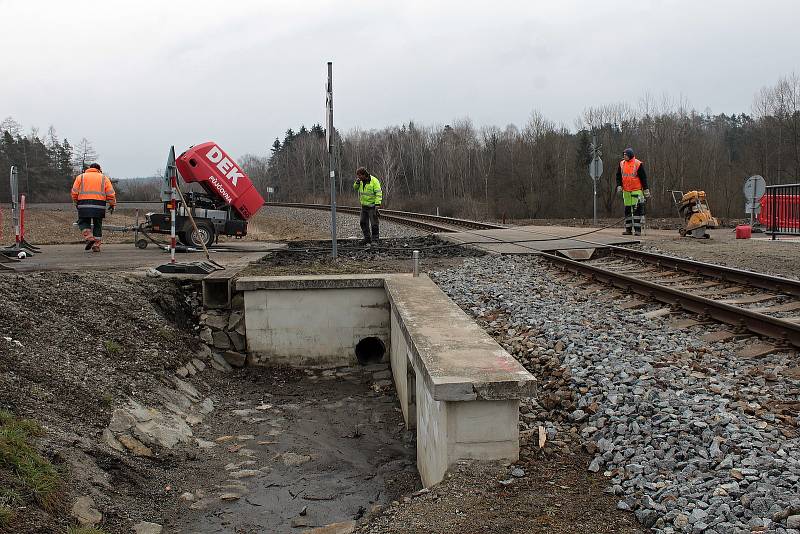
749,299
683,324
719,335
633,303
758,350
789,306
680,280
721,291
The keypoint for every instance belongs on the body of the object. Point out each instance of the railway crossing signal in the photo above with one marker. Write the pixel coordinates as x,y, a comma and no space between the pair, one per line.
595,172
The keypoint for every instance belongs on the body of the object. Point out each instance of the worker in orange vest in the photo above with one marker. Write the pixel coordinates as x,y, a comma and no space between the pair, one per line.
91,191
632,183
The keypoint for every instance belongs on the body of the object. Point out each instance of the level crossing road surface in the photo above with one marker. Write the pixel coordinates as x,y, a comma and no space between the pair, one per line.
126,257
534,239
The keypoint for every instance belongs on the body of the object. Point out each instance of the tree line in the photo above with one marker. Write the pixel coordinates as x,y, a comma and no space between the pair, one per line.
45,164
540,170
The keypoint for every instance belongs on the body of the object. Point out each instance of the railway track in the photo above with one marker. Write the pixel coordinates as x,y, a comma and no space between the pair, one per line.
759,303
423,221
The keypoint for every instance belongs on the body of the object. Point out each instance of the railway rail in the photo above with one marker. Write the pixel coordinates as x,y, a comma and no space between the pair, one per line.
423,221
760,303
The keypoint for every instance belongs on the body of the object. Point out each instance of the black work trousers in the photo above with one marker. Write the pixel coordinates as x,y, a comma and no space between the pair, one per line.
634,218
96,223
369,221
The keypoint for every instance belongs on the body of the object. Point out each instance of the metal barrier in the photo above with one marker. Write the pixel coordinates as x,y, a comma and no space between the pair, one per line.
780,210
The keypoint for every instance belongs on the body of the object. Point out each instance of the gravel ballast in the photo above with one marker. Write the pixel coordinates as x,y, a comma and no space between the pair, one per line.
690,437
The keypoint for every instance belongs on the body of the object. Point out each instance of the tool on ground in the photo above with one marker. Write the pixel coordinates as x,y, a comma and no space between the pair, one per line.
21,248
693,208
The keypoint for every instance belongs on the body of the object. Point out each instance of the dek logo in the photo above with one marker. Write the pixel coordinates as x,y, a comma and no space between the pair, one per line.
225,165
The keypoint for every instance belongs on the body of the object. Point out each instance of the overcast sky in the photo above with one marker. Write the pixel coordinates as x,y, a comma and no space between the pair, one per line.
137,77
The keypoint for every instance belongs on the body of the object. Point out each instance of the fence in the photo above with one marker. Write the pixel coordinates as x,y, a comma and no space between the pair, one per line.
780,210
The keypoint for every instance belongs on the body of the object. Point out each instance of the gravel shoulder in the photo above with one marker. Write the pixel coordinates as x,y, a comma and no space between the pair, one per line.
780,257
689,436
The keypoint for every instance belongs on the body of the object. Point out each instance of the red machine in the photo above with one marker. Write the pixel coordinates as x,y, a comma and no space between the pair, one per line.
218,174
229,199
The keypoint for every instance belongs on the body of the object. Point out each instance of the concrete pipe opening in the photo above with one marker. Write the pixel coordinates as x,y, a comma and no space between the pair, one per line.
370,350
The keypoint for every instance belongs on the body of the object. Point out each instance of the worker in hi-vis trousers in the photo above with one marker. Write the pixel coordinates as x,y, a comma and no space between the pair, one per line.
91,192
370,196
632,183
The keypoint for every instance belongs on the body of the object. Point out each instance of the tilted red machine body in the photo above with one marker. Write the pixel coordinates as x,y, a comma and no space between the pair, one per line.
219,175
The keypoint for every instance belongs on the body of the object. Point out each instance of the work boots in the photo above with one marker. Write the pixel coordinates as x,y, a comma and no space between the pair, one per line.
88,237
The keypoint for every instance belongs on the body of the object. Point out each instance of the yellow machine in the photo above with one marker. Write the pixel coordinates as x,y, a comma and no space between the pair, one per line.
693,208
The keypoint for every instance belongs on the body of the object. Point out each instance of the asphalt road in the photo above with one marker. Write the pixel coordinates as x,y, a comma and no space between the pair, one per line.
128,258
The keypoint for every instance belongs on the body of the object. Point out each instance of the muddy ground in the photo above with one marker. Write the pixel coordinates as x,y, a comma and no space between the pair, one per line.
74,348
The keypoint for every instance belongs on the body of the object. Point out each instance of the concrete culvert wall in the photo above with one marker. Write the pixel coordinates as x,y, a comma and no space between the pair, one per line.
370,350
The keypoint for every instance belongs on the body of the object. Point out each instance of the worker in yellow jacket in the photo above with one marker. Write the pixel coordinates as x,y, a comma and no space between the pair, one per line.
370,196
91,191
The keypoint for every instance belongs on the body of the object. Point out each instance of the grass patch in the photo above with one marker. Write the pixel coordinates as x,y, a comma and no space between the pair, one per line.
32,478
112,347
167,333
6,515
11,497
85,530
107,400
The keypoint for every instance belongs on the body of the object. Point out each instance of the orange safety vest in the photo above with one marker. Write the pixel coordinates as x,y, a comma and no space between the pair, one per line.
630,178
93,185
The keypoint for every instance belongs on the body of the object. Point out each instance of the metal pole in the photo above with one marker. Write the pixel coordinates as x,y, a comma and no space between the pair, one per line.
594,200
415,256
774,205
15,205
331,163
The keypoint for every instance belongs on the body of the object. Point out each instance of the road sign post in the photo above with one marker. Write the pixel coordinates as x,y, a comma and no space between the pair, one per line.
595,172
754,188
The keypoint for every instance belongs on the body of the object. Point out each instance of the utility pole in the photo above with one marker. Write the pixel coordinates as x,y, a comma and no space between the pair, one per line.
331,163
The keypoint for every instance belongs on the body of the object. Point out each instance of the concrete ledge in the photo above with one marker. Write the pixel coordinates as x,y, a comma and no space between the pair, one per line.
457,359
333,281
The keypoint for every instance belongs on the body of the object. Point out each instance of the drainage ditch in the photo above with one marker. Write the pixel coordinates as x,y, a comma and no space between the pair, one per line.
292,448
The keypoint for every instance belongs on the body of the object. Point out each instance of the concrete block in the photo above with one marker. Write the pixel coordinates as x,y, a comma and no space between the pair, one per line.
309,326
432,454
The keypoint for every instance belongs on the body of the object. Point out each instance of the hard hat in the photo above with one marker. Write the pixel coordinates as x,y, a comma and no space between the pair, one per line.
628,152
